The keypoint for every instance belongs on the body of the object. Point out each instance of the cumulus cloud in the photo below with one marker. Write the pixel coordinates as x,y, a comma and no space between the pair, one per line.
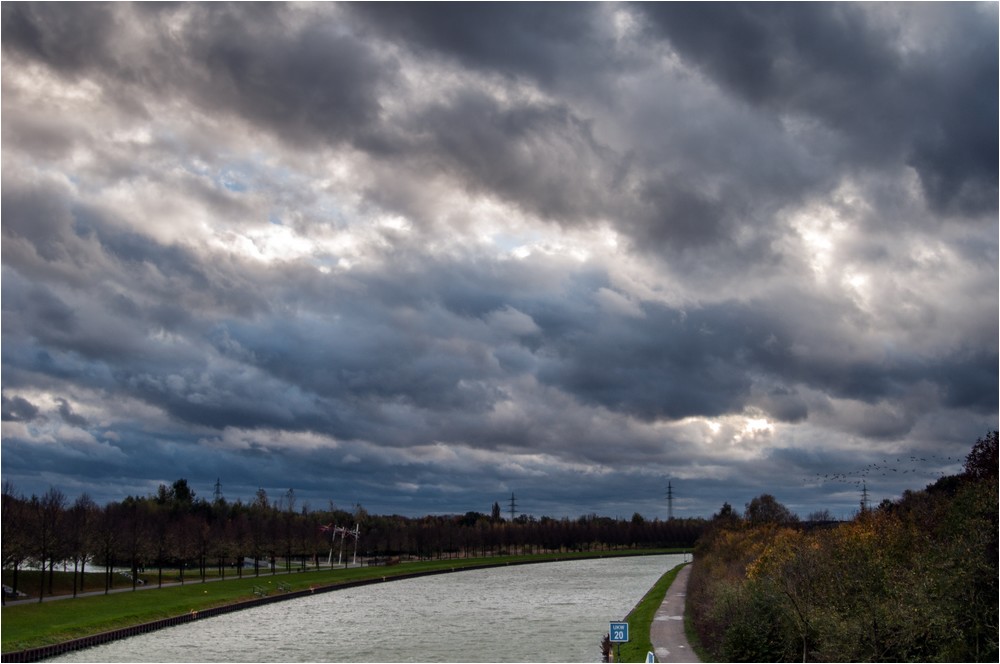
418,256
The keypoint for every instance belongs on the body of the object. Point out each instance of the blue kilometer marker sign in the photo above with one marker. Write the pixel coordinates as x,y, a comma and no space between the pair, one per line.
619,632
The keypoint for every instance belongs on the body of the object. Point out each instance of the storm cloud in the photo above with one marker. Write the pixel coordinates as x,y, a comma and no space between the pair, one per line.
419,256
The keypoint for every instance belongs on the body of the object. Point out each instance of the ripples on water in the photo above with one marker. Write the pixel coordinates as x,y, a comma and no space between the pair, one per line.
553,612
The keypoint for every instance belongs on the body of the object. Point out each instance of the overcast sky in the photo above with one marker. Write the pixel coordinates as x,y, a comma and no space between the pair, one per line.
421,257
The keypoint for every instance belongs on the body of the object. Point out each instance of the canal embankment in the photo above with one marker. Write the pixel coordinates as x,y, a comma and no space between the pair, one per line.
292,589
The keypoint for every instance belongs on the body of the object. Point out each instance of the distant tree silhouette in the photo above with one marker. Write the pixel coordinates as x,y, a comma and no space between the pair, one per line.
726,513
820,515
173,529
182,494
982,461
766,509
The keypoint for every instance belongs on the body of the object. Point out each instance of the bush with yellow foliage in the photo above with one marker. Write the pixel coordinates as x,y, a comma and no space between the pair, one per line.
912,580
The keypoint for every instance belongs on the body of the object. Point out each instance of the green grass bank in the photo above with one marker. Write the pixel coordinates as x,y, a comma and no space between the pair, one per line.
35,624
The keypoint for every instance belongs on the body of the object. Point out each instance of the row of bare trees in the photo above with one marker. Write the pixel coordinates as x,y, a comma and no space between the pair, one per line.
173,530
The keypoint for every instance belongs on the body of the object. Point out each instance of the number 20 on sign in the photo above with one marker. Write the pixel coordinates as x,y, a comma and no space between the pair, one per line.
619,632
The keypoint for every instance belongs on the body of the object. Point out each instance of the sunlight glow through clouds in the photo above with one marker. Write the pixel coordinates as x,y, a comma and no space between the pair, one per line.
754,426
268,243
745,435
234,438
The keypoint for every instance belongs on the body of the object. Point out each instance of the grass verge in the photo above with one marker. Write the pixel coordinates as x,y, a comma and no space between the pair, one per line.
28,581
37,624
692,636
640,619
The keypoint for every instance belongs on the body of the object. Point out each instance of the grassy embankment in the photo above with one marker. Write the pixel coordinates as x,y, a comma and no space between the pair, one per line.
37,624
640,620
62,582
692,636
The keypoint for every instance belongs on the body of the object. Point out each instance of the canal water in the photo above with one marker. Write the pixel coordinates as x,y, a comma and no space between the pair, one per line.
552,612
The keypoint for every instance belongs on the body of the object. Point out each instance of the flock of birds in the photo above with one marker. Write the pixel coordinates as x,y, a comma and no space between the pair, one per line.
888,469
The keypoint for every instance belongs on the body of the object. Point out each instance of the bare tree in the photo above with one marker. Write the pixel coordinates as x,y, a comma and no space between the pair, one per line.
80,535
14,521
46,517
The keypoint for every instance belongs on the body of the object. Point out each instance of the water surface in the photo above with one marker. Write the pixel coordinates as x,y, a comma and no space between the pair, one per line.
553,612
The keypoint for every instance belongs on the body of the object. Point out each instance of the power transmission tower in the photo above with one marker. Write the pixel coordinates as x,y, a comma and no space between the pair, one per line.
513,506
218,489
864,496
670,501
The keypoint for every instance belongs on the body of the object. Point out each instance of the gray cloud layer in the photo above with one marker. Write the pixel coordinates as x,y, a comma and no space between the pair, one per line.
418,256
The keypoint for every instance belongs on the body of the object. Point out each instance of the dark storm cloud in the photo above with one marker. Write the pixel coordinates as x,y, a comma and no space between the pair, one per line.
218,396
420,256
545,42
308,82
706,361
39,215
18,410
302,81
821,59
68,416
767,52
541,156
667,363
133,465
47,233
67,35
299,374
364,362
670,364
683,215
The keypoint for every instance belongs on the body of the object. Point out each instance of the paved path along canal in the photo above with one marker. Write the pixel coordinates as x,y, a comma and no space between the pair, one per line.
667,631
